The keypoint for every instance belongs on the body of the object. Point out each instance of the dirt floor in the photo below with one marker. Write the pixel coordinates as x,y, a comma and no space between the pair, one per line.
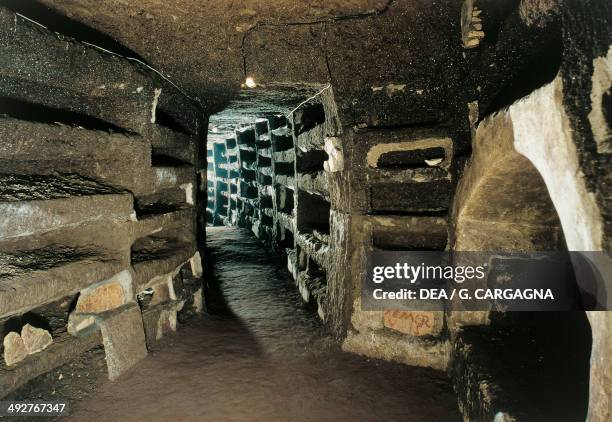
261,356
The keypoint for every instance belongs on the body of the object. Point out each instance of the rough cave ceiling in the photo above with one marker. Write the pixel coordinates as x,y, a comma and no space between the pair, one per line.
209,47
207,44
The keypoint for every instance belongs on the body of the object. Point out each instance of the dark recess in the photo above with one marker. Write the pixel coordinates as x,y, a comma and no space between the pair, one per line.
162,160
409,159
310,161
313,213
606,105
164,119
24,110
308,116
525,59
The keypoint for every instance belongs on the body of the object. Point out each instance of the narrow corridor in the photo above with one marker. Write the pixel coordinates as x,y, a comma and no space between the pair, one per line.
259,355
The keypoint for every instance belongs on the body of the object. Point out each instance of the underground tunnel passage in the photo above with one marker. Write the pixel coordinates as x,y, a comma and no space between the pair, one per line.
196,196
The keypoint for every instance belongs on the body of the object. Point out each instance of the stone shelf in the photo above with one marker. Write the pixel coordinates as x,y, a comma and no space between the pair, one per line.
247,155
383,343
180,218
37,204
14,188
286,221
64,349
170,177
155,255
263,178
313,139
413,190
39,67
167,142
263,142
248,174
284,168
48,149
288,181
287,156
314,183
281,139
313,291
314,248
420,233
264,152
30,278
266,190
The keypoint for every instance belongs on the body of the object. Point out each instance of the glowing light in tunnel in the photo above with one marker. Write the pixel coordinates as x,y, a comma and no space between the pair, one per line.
250,82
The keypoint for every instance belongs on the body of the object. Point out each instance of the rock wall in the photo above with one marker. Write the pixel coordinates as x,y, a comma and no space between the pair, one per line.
98,191
480,124
503,159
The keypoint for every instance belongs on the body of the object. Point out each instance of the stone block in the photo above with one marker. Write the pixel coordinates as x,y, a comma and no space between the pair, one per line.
42,204
167,321
163,289
159,320
198,300
168,177
48,273
107,295
65,349
46,149
150,320
14,349
123,338
292,264
196,265
79,322
35,339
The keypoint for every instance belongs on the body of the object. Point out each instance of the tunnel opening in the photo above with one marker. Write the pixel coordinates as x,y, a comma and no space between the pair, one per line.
107,210
506,207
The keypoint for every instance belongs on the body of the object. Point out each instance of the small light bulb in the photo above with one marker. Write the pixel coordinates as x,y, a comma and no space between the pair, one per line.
250,82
